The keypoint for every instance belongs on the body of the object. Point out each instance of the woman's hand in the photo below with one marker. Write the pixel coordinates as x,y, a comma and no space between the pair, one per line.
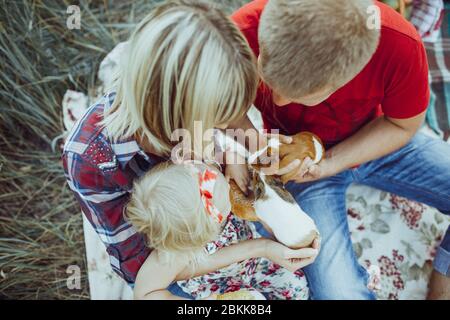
291,259
236,168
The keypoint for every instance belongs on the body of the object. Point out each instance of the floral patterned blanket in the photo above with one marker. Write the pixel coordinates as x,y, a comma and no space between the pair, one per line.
397,235
394,235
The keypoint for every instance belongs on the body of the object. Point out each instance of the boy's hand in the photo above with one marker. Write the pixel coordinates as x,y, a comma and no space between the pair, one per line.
291,259
236,168
309,171
274,168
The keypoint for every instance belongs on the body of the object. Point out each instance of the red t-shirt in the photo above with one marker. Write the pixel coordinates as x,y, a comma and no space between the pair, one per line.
394,82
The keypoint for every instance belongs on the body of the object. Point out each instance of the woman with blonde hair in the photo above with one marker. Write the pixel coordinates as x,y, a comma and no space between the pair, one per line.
185,62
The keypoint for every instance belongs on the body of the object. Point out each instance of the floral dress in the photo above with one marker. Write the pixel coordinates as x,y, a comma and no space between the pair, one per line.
260,274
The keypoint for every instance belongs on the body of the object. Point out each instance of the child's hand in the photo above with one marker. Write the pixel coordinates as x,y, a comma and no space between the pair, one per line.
291,259
236,169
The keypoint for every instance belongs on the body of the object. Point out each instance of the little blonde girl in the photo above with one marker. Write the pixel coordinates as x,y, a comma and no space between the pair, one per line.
184,212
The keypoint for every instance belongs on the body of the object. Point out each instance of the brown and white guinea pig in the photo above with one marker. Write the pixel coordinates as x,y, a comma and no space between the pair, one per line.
269,202
303,145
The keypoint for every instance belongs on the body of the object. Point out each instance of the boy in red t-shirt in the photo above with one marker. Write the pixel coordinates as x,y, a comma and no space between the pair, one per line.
355,73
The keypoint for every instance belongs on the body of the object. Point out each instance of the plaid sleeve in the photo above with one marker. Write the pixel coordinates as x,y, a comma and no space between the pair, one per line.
426,15
438,115
103,203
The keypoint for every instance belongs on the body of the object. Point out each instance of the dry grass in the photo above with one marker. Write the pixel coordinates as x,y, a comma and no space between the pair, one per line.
40,58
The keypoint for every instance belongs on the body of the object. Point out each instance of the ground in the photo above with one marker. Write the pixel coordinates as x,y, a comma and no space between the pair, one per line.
40,58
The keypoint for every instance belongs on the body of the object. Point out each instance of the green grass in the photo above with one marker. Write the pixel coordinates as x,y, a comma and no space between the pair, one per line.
40,58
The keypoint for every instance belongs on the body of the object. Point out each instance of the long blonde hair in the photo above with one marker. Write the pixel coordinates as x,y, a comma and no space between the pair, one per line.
166,207
186,61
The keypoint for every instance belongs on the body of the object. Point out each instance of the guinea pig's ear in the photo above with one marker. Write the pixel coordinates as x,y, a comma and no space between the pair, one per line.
259,188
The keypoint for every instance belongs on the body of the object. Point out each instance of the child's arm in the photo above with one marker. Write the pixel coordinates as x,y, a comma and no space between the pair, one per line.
154,277
224,257
291,259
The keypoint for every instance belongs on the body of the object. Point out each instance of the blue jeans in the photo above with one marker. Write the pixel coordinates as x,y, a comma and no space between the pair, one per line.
419,171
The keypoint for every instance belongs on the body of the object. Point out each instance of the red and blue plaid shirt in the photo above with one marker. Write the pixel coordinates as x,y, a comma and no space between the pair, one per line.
101,175
426,16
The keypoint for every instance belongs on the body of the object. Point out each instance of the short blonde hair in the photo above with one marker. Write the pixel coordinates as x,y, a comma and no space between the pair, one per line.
306,45
186,61
166,206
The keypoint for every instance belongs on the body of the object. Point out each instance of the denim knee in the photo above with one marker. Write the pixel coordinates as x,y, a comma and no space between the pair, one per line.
343,286
441,262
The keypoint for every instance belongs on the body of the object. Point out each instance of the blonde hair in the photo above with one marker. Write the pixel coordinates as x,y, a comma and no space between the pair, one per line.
185,62
306,45
166,207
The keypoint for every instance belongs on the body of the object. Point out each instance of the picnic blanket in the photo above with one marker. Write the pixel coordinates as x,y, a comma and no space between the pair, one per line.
438,52
391,233
431,19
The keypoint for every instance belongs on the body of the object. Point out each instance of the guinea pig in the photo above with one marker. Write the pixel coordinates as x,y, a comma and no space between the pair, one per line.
303,145
270,203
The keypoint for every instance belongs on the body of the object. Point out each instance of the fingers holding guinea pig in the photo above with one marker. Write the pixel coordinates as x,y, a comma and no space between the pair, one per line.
306,147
